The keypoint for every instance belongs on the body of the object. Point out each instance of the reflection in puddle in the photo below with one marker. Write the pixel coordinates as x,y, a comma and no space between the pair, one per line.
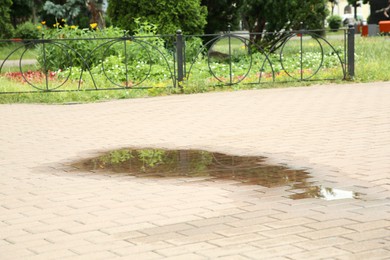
193,163
325,194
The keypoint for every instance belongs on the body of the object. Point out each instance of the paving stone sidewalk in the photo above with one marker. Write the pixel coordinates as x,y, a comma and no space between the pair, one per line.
339,133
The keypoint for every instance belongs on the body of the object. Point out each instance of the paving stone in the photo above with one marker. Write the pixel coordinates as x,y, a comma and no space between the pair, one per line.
370,225
231,250
312,245
330,224
268,253
315,254
368,235
179,251
361,246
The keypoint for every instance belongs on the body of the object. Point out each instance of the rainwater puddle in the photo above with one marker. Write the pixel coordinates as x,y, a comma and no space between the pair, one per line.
251,170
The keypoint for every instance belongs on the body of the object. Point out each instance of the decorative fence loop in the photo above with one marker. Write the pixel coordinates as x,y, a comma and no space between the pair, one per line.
135,62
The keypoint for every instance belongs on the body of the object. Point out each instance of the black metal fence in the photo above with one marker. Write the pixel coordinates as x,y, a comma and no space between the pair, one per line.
130,62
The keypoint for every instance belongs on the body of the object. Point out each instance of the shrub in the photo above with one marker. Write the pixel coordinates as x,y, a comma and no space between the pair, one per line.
334,22
59,53
28,31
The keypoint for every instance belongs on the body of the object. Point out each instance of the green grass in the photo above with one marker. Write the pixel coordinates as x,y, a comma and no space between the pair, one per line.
371,65
372,62
6,48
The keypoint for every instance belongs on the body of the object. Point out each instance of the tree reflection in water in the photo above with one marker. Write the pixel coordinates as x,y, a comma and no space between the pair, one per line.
251,170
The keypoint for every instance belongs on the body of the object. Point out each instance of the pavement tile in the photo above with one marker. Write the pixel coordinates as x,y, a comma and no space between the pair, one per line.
268,253
139,249
312,245
232,240
329,232
231,250
376,254
383,223
196,238
179,251
361,246
187,256
319,253
14,252
368,235
330,224
281,232
279,241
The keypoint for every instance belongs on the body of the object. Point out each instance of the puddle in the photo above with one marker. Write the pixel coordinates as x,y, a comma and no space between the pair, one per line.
251,170
324,193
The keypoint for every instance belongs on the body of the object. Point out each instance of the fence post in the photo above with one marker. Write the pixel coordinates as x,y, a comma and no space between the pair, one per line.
351,51
179,57
44,62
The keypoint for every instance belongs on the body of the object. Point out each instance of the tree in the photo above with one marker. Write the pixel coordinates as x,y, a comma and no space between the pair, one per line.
5,21
168,15
277,15
377,8
21,11
221,13
333,4
80,12
95,7
64,9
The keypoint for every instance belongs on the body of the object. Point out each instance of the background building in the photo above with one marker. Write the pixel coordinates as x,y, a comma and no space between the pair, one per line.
346,11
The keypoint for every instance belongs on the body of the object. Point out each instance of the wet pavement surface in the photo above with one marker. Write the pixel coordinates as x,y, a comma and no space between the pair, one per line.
325,152
249,170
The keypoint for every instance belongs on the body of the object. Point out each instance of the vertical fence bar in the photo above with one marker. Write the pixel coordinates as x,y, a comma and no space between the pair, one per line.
126,68
230,55
345,54
301,48
44,63
351,51
179,57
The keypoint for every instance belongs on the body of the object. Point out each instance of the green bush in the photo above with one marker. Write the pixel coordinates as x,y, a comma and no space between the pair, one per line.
106,53
167,15
74,47
6,29
334,22
28,31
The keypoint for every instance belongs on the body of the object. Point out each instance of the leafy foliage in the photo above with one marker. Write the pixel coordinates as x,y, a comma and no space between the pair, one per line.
278,15
168,15
334,22
27,30
21,11
68,11
107,53
77,53
221,13
5,22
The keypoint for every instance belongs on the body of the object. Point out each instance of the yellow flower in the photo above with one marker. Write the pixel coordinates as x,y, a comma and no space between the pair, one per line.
63,20
93,25
73,27
43,22
39,27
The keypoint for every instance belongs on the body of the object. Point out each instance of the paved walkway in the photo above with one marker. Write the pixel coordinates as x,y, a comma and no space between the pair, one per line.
15,63
341,133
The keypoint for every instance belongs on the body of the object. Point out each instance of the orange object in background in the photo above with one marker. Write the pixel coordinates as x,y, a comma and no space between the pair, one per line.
364,30
384,26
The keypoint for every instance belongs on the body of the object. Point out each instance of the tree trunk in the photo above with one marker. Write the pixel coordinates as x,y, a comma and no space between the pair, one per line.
97,15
